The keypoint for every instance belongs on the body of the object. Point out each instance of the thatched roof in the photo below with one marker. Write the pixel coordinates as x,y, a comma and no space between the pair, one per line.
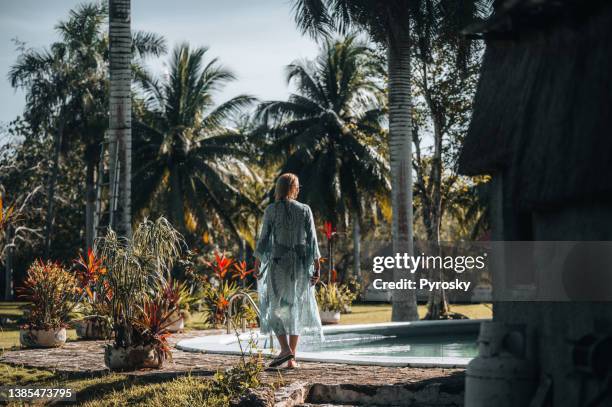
543,108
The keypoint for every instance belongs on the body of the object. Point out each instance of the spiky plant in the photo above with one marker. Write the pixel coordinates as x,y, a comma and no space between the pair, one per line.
137,268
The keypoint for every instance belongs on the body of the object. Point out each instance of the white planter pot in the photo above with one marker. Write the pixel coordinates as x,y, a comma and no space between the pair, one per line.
329,317
131,358
178,322
93,328
49,338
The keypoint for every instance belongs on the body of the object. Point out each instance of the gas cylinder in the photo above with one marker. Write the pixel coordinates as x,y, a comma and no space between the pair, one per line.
500,376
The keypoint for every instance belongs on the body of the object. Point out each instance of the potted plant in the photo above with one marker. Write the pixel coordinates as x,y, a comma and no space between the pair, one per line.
138,269
180,300
52,294
96,324
150,347
332,300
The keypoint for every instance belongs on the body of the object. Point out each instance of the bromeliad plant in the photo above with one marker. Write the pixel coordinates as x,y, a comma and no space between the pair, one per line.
330,234
138,270
96,294
227,278
53,294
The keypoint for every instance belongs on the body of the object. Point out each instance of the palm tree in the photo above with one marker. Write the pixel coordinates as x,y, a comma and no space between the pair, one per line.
390,23
120,110
186,155
71,77
326,130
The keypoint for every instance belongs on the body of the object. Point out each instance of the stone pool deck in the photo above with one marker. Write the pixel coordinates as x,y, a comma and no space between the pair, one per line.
86,358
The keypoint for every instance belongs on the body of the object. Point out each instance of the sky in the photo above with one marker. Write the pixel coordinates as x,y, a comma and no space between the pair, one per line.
256,39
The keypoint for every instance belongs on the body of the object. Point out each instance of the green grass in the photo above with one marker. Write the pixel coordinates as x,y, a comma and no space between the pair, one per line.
121,390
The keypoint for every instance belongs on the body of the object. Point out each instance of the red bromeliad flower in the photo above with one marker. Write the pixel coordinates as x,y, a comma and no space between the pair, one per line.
91,270
220,265
221,306
329,230
333,276
240,270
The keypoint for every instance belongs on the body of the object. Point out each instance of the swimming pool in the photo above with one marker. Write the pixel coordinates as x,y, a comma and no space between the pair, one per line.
418,344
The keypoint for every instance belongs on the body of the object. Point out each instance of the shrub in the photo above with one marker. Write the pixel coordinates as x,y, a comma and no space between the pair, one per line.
334,297
226,279
53,294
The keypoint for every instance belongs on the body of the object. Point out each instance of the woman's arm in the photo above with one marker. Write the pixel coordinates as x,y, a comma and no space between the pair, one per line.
262,248
316,276
311,239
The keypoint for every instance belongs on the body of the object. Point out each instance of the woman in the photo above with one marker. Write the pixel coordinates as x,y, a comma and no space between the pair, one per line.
287,268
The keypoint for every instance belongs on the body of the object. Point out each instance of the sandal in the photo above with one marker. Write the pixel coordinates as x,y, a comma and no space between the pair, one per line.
279,360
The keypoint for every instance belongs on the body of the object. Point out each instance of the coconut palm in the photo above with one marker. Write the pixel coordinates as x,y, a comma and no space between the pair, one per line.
188,160
67,91
391,23
120,110
327,129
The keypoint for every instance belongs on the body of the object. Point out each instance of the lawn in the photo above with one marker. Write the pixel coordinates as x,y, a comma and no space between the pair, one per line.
121,390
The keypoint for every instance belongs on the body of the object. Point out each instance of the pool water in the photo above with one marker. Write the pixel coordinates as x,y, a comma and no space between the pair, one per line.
417,344
455,345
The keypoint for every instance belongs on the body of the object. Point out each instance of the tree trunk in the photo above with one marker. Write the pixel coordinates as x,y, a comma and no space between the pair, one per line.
177,209
90,202
120,126
437,304
356,247
51,186
8,265
400,149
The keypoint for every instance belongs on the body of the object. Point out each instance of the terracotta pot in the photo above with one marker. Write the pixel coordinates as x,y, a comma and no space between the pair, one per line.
329,317
131,358
93,328
47,338
178,322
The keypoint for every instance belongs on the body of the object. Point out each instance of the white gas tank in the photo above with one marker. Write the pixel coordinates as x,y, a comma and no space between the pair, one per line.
500,376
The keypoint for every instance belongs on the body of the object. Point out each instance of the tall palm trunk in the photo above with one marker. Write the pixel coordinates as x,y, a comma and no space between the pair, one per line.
90,202
177,208
400,148
120,131
51,186
356,247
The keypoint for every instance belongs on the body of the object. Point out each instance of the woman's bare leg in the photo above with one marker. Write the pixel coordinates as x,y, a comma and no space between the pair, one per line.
284,344
293,342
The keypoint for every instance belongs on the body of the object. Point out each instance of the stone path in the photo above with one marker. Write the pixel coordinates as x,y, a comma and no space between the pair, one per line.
87,358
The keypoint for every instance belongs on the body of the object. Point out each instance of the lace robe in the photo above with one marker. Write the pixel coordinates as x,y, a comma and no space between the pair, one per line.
287,247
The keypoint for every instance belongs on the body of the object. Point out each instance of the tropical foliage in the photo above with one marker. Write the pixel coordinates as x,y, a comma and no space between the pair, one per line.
67,94
52,293
329,129
335,297
225,278
207,164
189,163
138,269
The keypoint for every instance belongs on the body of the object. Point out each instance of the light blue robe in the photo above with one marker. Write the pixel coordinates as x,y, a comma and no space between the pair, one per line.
287,247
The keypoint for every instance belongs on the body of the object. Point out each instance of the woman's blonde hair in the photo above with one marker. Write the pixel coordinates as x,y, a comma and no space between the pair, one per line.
287,187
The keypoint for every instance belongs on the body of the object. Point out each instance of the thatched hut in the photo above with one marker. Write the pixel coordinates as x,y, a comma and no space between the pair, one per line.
542,128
